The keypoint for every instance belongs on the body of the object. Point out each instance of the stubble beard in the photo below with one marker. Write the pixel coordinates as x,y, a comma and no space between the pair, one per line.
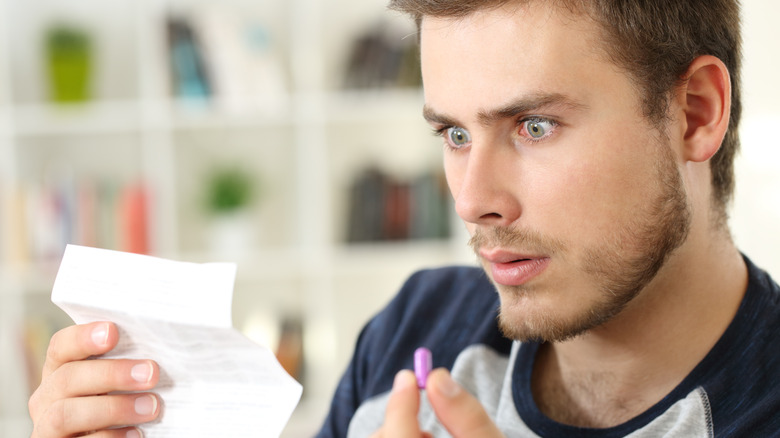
620,267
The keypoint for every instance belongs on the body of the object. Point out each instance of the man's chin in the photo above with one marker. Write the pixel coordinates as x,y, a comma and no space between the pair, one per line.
531,330
529,321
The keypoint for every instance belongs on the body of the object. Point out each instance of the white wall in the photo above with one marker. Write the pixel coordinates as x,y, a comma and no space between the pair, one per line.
756,213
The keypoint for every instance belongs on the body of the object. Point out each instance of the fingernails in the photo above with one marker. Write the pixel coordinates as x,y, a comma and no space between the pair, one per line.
447,386
142,372
146,405
133,433
403,380
100,335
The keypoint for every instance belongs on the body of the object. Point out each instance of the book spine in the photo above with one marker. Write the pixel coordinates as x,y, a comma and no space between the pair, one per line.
385,208
38,220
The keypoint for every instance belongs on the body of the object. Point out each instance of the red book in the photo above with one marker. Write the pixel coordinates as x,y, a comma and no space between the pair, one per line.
133,220
397,211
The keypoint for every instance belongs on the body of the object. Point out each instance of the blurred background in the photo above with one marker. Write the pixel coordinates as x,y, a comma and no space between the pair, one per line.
285,136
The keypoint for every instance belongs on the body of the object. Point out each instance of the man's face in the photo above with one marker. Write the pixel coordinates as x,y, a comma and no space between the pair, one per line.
572,198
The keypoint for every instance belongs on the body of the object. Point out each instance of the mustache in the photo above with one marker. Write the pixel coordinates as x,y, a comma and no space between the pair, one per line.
506,237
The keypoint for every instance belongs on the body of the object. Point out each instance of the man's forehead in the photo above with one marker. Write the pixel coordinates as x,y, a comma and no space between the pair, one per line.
519,20
506,62
572,10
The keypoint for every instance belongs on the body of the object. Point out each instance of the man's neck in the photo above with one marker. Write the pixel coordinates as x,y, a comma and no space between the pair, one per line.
617,371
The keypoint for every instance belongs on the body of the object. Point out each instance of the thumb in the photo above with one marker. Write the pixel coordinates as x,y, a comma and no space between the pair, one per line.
457,410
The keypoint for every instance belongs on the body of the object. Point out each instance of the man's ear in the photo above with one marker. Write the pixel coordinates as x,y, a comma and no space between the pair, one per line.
705,99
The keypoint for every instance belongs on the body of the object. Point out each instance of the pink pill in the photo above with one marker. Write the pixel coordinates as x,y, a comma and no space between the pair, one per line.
423,363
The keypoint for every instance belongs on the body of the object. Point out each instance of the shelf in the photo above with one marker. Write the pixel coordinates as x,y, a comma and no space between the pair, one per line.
185,117
304,139
132,116
343,258
94,118
282,262
360,106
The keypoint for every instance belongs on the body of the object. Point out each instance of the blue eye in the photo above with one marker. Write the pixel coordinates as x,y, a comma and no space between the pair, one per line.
536,128
457,137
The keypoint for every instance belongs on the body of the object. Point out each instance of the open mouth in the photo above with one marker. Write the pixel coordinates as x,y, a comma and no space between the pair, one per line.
517,271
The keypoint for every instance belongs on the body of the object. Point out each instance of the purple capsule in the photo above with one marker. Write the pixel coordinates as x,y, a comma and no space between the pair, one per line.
423,363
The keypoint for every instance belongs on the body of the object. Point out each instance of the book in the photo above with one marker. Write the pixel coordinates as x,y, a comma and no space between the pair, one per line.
133,222
383,57
382,207
37,220
188,68
245,69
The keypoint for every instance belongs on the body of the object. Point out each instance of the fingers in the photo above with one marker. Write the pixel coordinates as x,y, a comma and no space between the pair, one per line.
402,408
71,416
93,377
71,398
128,432
79,342
458,411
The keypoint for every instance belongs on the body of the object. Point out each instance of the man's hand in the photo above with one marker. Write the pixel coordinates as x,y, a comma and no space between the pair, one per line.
72,399
457,410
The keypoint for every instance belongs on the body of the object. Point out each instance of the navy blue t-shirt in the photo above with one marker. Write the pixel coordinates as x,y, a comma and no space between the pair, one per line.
453,311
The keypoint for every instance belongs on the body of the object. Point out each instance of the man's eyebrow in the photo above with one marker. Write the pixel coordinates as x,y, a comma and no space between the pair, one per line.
524,105
529,104
431,116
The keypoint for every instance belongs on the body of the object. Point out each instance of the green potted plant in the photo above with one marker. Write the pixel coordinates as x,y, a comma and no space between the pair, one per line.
69,63
230,192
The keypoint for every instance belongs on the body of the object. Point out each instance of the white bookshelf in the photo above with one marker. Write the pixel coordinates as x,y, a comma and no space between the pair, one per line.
307,146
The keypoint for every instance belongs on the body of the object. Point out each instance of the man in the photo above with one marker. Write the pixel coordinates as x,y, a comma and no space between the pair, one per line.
589,149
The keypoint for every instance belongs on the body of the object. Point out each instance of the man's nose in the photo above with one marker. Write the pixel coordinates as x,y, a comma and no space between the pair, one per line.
488,188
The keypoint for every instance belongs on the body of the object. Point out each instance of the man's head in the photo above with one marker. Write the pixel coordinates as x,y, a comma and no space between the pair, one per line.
577,172
654,41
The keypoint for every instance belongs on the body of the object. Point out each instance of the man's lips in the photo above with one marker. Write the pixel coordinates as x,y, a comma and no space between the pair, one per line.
514,269
499,256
